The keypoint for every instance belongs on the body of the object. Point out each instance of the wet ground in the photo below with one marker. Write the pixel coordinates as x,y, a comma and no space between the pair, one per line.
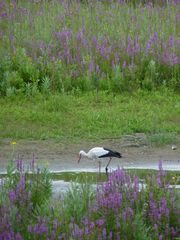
136,152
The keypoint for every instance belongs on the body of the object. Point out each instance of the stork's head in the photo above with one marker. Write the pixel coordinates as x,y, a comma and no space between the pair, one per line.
80,155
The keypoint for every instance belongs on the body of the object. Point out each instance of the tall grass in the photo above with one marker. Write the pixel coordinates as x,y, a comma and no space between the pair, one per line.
103,45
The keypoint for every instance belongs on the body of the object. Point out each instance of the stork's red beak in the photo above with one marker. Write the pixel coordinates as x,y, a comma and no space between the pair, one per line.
79,158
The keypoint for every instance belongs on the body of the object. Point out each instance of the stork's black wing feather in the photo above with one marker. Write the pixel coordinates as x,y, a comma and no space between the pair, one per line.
111,153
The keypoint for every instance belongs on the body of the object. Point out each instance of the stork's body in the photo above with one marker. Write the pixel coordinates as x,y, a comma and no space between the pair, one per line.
98,153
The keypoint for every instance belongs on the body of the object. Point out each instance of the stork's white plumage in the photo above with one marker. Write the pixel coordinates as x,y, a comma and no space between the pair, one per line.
98,153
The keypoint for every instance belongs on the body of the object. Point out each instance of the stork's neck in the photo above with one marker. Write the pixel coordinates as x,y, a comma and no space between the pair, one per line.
83,153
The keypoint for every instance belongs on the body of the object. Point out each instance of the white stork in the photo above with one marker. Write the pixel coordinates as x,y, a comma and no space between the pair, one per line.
99,152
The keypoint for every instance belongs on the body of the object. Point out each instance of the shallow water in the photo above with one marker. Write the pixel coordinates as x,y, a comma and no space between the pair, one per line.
168,165
61,186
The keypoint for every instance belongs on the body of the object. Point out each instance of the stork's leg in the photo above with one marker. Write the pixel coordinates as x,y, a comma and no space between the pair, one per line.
99,167
108,165
99,178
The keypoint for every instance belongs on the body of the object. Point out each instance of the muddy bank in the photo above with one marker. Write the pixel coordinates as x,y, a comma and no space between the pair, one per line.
136,152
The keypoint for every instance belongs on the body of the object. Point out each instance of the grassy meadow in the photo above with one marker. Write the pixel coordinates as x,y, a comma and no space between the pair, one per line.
64,46
72,118
85,70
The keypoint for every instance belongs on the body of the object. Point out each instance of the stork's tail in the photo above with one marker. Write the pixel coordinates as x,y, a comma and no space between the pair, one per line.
117,154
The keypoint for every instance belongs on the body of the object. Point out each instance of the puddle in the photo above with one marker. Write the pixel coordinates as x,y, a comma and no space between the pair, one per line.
61,186
168,166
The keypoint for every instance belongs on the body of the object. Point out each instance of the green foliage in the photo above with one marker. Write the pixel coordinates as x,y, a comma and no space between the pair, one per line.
13,79
77,201
18,74
46,86
25,66
41,187
141,230
118,81
150,77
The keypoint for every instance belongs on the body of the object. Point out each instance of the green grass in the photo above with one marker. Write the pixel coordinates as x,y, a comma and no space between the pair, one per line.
82,117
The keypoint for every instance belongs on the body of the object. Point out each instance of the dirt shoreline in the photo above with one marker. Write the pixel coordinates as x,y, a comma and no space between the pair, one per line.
136,152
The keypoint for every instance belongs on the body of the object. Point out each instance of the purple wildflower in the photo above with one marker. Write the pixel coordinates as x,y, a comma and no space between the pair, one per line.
95,42
110,237
152,42
91,67
128,213
100,222
156,227
3,15
40,229
12,196
33,162
176,2
124,65
170,58
161,237
19,165
18,237
1,34
30,229
133,46
97,69
104,233
160,166
158,180
55,224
